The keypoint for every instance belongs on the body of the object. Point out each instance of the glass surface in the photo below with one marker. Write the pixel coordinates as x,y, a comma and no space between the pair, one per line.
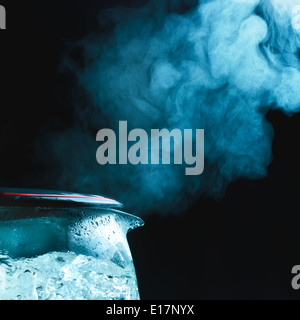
66,255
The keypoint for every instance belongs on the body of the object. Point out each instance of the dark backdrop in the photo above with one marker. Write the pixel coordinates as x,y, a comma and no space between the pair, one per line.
243,246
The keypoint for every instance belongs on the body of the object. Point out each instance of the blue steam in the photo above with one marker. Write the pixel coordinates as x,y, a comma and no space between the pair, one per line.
220,67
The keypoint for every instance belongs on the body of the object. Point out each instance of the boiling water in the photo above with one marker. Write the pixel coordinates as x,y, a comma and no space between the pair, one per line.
66,276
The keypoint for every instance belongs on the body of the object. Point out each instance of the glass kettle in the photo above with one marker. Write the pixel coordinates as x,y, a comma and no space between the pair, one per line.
65,246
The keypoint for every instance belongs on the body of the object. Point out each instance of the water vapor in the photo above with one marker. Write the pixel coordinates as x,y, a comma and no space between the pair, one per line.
219,66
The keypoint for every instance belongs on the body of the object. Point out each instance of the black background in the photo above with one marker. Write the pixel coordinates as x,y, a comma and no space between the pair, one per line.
242,247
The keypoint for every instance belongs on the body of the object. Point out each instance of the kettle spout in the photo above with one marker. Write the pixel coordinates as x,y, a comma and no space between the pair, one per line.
128,221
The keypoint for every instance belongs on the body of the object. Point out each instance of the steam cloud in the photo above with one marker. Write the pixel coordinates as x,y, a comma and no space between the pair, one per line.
219,66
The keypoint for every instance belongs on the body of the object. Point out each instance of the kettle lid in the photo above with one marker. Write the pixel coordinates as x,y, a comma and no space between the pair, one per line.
53,199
